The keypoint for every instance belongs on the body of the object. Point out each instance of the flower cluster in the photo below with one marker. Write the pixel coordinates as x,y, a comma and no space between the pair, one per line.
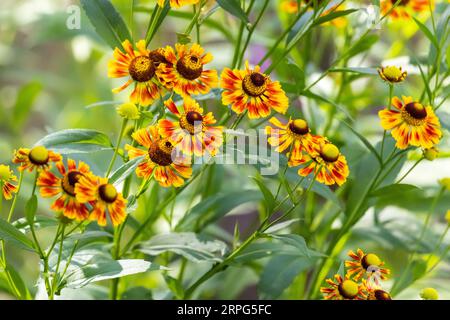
362,280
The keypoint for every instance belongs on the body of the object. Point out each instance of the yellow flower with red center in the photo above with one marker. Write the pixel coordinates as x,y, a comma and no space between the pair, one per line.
37,157
327,164
159,159
405,8
362,264
343,289
177,3
103,197
295,133
184,72
140,68
193,133
411,124
63,186
392,74
253,91
6,177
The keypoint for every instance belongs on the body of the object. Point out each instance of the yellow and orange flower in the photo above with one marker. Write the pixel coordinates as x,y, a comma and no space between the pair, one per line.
63,186
184,72
411,124
343,289
291,7
177,3
365,264
253,91
327,164
295,133
392,74
193,133
140,68
378,294
6,177
37,157
103,197
159,159
405,8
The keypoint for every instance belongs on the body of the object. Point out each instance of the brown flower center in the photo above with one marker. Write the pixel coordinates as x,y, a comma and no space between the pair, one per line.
330,153
299,126
254,84
69,181
157,56
402,2
39,155
190,67
382,295
192,122
142,69
414,113
160,152
107,193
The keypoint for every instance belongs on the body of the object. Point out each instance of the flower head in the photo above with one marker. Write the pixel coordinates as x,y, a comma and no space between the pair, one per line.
431,153
63,186
327,164
184,72
6,177
128,111
429,294
405,8
177,3
295,133
158,158
365,264
392,74
378,294
194,132
343,289
103,197
411,123
139,68
37,157
252,90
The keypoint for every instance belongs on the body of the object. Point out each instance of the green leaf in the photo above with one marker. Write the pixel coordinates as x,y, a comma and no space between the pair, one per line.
359,70
39,222
11,234
107,22
279,273
125,170
300,27
214,208
394,189
294,240
427,32
175,286
268,197
233,7
282,225
333,15
76,141
322,98
424,79
186,244
31,208
365,142
363,44
25,99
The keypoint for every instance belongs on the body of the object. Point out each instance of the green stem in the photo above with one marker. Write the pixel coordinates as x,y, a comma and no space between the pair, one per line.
13,205
152,24
116,149
55,277
391,90
194,20
409,171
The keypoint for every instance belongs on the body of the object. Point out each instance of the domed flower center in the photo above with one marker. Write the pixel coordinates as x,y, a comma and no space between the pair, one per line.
348,289
39,155
5,173
190,67
192,122
254,84
370,260
69,181
160,152
299,126
107,193
330,153
157,56
416,110
392,72
382,295
402,2
142,69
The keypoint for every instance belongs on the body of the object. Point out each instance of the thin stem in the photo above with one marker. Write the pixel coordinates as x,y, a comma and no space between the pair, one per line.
194,20
391,90
55,277
116,149
152,24
410,170
13,205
